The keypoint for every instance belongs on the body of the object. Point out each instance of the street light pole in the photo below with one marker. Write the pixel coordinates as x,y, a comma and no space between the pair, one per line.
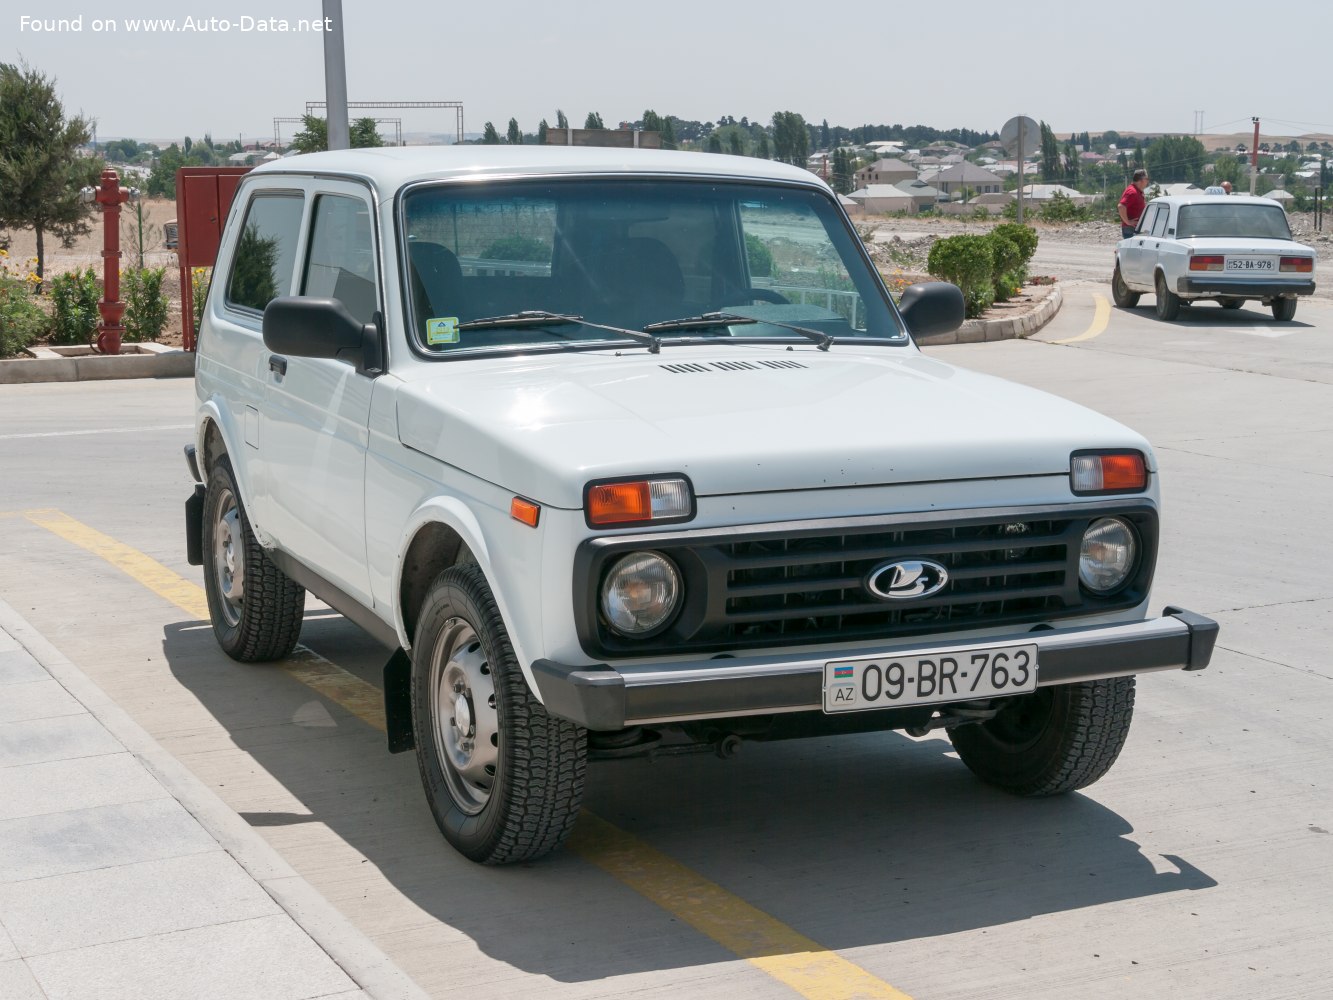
335,76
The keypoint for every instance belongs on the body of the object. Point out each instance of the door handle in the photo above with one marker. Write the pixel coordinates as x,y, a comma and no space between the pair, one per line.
277,364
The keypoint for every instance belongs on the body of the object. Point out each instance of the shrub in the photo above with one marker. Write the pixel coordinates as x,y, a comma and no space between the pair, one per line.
22,320
200,277
969,262
1024,236
74,295
522,248
145,305
1008,262
759,257
1061,208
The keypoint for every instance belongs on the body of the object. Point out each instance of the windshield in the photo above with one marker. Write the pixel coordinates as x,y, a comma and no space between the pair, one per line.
1264,222
631,253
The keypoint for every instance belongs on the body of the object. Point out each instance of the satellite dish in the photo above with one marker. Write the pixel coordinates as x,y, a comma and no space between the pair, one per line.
1031,134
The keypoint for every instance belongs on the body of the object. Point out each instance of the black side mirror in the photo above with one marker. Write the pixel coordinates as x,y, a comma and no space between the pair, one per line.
932,307
321,328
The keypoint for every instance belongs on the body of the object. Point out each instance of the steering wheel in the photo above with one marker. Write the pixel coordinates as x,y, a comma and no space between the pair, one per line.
766,295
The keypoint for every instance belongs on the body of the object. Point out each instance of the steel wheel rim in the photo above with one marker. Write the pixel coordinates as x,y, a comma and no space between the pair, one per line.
1021,723
229,558
465,723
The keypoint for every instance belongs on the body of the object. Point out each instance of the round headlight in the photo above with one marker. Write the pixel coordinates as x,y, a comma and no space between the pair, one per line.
1107,556
640,593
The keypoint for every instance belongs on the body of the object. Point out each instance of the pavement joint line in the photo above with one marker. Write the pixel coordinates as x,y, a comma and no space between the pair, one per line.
1101,319
95,430
347,947
804,965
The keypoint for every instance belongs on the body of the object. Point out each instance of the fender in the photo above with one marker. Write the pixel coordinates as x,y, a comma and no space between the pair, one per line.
233,440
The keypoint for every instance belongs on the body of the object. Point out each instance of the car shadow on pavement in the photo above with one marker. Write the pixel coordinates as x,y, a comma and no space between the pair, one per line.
1211,314
854,841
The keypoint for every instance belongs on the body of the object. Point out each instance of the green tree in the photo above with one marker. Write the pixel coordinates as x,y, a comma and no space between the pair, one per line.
364,135
1050,155
1071,163
735,144
825,137
714,143
514,134
189,145
560,120
1175,158
791,139
490,137
313,137
594,120
40,169
542,129
761,146
668,133
652,121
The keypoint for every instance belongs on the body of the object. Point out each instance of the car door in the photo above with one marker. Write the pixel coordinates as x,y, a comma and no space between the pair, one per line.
314,424
1135,264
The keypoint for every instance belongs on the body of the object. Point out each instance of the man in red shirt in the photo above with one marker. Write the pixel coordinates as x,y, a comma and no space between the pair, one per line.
1132,204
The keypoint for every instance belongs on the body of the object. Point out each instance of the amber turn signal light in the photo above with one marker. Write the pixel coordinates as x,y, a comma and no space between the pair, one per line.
525,511
1107,472
639,501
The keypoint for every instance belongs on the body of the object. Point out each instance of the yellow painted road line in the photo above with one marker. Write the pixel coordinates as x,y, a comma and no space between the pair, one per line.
747,932
363,700
805,966
1101,318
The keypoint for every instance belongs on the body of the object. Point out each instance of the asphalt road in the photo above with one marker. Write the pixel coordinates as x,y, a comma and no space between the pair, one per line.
1200,867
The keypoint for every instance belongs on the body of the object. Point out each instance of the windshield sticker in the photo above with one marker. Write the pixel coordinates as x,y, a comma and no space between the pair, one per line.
442,330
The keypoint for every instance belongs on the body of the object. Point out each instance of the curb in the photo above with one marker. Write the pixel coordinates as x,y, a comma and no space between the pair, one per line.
48,365
977,331
372,970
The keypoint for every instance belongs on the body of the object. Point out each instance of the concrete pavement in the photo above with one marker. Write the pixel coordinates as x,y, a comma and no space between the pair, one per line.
121,876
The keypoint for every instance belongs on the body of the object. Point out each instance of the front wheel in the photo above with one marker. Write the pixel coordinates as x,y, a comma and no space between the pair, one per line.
1124,298
1168,302
1284,310
503,778
1056,740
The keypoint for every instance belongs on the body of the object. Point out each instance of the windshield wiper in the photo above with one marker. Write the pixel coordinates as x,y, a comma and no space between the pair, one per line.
823,340
540,317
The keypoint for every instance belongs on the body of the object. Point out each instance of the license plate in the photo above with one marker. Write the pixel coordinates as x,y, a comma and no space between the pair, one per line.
1250,264
929,678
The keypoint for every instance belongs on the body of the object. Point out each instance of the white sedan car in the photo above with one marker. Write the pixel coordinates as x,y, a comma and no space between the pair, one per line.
1228,248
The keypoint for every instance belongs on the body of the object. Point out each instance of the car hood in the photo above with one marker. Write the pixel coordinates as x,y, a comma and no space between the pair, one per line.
739,420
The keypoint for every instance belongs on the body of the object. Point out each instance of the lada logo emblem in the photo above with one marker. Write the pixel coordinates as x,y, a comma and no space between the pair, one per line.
906,579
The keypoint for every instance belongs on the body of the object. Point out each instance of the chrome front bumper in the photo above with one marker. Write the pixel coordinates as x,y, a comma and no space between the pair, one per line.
604,698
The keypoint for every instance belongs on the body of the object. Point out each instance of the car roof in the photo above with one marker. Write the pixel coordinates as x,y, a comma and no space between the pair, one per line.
1209,199
390,167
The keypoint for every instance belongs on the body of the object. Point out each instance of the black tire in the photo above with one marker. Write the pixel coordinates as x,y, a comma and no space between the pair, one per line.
1057,740
1124,298
1168,302
537,763
261,619
1231,303
1284,310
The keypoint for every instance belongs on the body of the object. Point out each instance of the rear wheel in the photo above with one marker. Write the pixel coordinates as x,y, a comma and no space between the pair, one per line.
255,608
503,778
1284,310
1056,740
1124,298
1168,302
1231,303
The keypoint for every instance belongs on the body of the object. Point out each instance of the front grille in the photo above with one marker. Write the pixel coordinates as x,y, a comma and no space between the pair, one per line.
798,589
804,583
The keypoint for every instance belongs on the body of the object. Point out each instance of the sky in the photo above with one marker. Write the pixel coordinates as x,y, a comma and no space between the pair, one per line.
1078,65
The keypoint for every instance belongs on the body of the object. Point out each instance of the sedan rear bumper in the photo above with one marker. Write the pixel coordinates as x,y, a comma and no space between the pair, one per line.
1243,289
604,698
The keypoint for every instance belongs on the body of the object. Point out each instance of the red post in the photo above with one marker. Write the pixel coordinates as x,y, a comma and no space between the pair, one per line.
110,196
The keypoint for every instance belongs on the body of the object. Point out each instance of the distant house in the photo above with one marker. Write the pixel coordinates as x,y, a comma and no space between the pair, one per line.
884,146
242,159
952,180
850,205
1045,192
922,194
888,171
1180,189
1279,195
880,198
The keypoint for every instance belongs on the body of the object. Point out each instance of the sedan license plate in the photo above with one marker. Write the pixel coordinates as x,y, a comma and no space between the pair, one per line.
929,678
1251,264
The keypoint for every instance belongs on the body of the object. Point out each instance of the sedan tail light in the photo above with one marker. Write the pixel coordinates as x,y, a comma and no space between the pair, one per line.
1202,263
1301,265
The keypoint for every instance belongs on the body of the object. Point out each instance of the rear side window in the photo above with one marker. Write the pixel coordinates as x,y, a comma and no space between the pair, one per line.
1159,223
261,267
340,263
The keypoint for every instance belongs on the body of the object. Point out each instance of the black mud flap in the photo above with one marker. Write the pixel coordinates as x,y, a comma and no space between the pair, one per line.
398,702
194,526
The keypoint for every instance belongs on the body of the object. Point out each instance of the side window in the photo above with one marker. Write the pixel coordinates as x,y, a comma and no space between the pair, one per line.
261,267
340,262
1159,223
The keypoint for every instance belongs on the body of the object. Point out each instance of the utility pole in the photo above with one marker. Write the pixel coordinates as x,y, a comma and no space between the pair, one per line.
1254,157
335,76
1018,215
